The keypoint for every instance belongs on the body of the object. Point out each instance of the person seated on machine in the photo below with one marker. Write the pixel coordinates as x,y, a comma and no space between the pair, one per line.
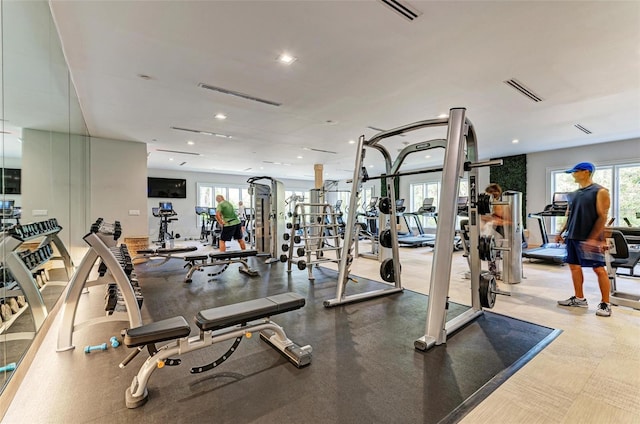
231,226
493,225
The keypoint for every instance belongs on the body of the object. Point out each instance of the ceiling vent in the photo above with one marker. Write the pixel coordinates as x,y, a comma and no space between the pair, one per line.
403,9
238,94
320,150
522,89
201,132
178,152
583,129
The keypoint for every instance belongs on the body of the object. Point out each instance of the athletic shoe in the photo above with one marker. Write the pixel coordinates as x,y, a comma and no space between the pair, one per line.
604,310
574,301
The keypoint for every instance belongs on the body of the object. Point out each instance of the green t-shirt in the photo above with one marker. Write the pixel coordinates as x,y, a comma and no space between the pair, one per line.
228,213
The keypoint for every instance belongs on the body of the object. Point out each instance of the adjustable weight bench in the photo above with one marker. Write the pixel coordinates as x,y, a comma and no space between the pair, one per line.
221,259
216,325
164,253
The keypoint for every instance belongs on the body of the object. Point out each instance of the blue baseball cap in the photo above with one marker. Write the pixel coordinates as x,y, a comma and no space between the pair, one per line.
582,166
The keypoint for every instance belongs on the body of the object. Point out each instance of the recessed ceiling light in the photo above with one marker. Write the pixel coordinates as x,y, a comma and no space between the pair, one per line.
286,59
443,115
170,159
428,157
352,142
190,143
515,141
370,166
220,116
299,157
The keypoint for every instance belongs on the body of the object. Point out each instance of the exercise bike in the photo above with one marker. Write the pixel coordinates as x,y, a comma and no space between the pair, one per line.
167,215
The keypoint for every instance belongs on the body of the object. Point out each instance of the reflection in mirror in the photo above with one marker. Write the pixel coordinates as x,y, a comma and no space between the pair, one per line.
44,157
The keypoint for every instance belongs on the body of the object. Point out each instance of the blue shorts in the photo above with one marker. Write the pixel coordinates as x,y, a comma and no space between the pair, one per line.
231,231
576,255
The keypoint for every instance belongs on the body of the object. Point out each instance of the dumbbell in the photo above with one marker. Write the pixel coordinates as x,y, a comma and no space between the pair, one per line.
9,367
89,349
114,342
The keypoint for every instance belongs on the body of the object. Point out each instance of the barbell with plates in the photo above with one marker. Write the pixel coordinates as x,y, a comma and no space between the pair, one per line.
285,247
286,236
301,265
300,251
284,258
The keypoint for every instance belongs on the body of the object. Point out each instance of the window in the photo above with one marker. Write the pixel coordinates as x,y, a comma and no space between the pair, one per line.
421,191
622,181
207,196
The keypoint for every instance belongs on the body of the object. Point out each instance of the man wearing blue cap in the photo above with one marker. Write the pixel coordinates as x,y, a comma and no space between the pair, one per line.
586,218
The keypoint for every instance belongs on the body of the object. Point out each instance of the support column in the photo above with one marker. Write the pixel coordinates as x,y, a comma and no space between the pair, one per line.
318,169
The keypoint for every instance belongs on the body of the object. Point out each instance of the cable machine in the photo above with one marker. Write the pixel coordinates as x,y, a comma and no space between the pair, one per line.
269,211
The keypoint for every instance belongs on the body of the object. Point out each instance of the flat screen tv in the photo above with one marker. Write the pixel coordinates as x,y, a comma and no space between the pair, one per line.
171,188
11,181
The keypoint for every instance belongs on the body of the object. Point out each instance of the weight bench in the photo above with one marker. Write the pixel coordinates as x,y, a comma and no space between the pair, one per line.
222,259
165,253
216,325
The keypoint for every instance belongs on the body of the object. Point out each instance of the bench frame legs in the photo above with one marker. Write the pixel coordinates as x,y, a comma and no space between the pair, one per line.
137,395
200,266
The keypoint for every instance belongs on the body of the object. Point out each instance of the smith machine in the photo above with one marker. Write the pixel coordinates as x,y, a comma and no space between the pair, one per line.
460,157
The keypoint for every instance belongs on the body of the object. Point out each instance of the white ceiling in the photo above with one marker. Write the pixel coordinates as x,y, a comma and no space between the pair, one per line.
359,64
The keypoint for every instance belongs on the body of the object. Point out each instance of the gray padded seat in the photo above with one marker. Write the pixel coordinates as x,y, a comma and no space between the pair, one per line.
240,313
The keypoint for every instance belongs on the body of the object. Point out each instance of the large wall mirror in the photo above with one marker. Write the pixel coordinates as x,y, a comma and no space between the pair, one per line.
44,160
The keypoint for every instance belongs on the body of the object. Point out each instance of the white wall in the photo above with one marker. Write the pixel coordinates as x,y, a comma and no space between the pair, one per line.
119,184
540,165
56,183
187,223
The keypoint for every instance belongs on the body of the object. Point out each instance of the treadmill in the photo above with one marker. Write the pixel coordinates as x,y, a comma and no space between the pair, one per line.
549,252
409,239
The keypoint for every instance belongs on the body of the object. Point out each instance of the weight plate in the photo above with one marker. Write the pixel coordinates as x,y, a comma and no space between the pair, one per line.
385,238
386,270
384,205
487,290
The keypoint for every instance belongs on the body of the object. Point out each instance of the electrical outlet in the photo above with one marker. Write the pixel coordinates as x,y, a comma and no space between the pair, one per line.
134,212
39,212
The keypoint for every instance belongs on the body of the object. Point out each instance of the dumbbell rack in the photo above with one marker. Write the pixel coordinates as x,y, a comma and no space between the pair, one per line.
315,221
102,240
22,263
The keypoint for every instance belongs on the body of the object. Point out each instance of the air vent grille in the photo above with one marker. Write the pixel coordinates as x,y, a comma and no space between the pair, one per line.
403,9
522,89
201,132
583,129
320,150
178,152
238,94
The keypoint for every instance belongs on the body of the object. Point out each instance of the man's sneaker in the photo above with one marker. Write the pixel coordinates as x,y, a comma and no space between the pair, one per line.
574,301
604,310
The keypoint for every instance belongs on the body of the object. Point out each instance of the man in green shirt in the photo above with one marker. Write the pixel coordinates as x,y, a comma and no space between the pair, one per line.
230,223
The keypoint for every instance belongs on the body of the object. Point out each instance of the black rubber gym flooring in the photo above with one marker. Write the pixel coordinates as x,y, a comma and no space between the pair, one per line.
364,367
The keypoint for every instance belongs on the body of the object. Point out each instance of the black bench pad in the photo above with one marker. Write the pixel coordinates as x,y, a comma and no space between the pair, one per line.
196,258
167,329
233,254
240,313
167,250
177,249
